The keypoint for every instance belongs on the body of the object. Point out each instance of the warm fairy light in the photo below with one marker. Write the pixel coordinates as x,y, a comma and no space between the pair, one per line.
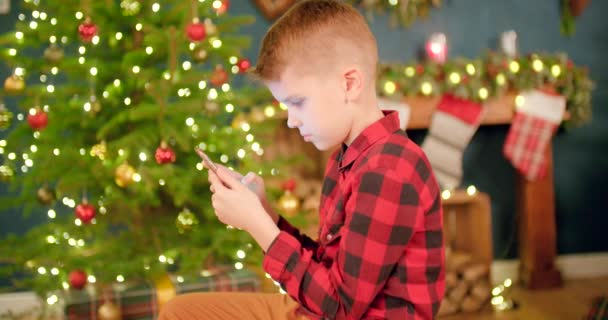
52,300
155,7
282,106
241,153
162,258
42,270
483,93
136,177
470,69
135,69
212,95
93,71
224,158
229,108
117,82
455,77
127,101
187,65
19,35
426,88
95,40
393,2
143,156
120,278
52,214
390,87
556,70
446,194
149,50
233,60
269,111
514,66
79,15
81,60
50,88
410,71
139,26
50,239
500,79
238,265
54,271
519,101
118,35
202,85
436,47
77,222
189,121
20,72
56,151
92,279
33,25
226,87
216,43
249,137
537,65
255,147
471,190
240,254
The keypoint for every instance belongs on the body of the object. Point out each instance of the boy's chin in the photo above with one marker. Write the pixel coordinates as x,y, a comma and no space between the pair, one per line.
324,146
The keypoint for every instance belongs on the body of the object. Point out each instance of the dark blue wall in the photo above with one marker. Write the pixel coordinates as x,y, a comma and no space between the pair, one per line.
580,155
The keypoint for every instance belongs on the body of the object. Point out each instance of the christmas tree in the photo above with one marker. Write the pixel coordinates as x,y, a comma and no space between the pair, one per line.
111,98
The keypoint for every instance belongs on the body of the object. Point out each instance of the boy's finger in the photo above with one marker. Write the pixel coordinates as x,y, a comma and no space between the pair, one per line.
227,178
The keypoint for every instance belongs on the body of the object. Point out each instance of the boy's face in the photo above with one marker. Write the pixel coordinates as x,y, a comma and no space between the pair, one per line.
315,105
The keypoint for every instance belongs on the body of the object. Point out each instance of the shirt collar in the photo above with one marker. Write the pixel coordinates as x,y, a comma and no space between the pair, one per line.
374,132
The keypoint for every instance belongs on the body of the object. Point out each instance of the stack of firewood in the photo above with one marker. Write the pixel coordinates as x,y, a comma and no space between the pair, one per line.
467,284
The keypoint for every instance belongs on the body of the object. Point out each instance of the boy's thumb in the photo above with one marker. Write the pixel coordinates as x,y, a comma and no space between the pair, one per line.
248,178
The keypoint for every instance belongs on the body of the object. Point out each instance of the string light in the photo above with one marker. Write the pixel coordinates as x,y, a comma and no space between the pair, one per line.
426,88
556,70
52,214
229,108
537,65
455,77
471,190
410,71
390,87
514,66
446,194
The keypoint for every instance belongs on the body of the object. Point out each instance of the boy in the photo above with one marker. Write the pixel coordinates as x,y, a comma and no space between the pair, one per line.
380,253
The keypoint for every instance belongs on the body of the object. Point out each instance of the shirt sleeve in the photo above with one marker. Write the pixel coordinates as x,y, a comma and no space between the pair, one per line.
304,240
381,215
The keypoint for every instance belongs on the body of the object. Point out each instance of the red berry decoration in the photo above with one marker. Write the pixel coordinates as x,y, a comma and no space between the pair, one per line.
85,212
87,30
219,76
164,154
196,31
38,120
243,65
289,185
78,279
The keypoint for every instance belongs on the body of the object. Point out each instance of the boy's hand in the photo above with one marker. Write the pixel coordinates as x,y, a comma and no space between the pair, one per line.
234,203
254,183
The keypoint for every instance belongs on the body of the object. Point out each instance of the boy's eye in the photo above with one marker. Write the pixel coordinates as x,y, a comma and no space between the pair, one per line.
297,103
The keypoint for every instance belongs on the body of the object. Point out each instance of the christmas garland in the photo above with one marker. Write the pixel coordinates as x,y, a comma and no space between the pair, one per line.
404,12
492,76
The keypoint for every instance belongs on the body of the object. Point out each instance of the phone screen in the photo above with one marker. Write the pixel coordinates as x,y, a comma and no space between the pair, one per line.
206,160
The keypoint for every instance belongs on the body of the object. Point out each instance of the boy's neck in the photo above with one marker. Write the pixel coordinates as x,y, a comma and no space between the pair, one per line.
369,112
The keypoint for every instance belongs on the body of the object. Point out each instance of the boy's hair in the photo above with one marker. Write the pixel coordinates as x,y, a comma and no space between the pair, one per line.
315,35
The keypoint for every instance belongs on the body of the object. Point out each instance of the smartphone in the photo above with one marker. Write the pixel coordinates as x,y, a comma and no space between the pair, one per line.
206,160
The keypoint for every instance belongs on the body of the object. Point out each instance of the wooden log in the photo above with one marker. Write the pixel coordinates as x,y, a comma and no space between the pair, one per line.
451,280
481,291
476,272
447,308
458,293
471,304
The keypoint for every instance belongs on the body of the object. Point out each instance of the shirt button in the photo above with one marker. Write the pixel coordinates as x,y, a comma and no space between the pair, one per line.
329,237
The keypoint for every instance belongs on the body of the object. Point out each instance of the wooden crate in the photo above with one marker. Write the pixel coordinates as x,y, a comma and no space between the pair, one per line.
468,238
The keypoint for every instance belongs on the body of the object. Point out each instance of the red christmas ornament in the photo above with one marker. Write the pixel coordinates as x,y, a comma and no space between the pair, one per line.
419,69
223,7
219,76
38,120
289,185
87,30
243,65
164,154
196,31
78,279
85,212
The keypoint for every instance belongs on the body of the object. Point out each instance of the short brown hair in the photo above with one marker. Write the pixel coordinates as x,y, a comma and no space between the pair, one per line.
316,31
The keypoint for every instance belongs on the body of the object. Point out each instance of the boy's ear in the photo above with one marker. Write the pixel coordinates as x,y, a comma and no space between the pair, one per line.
353,83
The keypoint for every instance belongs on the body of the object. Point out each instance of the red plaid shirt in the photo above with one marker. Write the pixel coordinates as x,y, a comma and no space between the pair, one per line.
380,253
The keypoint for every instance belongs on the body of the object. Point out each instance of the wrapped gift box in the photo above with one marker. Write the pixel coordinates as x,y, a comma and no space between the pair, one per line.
143,300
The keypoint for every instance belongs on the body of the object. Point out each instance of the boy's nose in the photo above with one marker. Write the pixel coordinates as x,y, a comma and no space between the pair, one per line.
293,123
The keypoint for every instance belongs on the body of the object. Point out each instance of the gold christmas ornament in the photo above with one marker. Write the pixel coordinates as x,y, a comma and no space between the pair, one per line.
53,54
130,7
124,175
199,54
14,84
210,27
185,221
99,150
45,195
6,173
212,106
94,105
6,117
239,121
289,203
109,311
